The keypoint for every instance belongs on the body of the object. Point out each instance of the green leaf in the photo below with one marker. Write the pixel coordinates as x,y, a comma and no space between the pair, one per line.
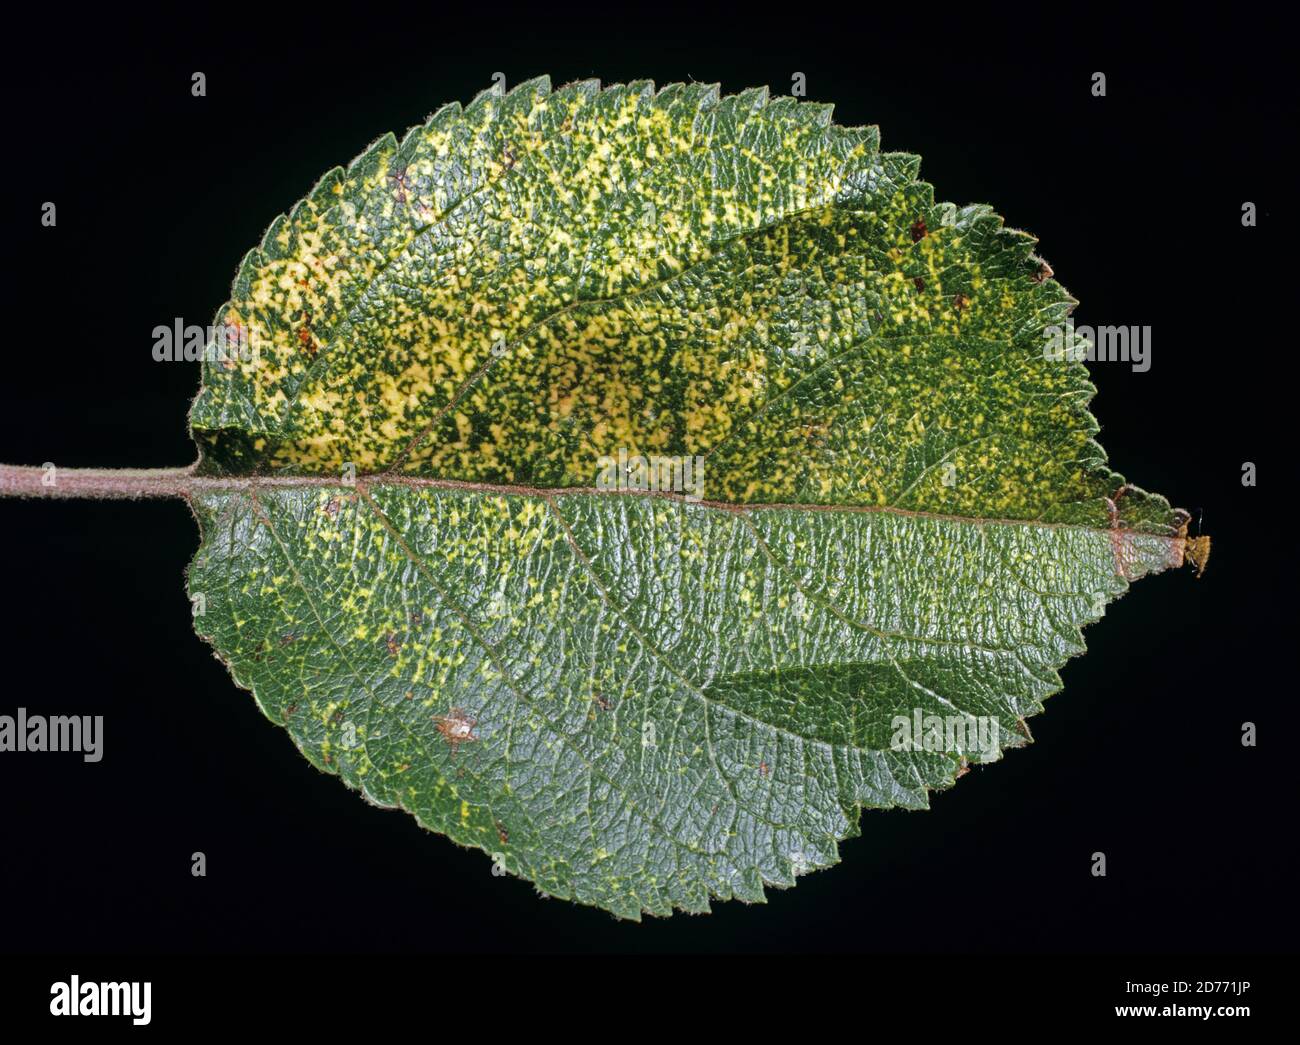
640,700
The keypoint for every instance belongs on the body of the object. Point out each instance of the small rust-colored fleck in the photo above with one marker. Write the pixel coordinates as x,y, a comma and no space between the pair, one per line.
918,282
919,231
960,301
814,434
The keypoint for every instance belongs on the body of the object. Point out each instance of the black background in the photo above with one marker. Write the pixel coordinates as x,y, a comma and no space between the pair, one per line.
1136,198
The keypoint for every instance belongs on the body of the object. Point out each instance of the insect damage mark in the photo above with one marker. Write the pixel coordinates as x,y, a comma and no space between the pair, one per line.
1197,551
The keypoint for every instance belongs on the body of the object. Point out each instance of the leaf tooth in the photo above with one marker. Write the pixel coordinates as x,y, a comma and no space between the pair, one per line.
816,114
537,86
585,89
908,164
670,94
645,88
523,96
443,115
247,265
622,90
847,140
374,155
270,249
322,193
741,105
925,193
710,95
480,101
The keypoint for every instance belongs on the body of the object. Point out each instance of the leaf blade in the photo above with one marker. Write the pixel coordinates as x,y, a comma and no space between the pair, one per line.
802,315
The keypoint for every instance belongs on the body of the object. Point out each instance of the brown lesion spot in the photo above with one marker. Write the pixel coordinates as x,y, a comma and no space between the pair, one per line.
919,230
456,728
307,343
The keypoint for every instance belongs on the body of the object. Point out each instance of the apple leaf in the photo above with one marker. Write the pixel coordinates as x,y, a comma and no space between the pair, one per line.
635,485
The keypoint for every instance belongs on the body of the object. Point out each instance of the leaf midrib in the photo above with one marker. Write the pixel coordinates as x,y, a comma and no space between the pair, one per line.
201,484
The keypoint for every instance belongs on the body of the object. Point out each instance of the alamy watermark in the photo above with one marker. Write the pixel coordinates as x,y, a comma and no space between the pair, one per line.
683,474
81,733
1099,344
71,997
954,733
216,343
